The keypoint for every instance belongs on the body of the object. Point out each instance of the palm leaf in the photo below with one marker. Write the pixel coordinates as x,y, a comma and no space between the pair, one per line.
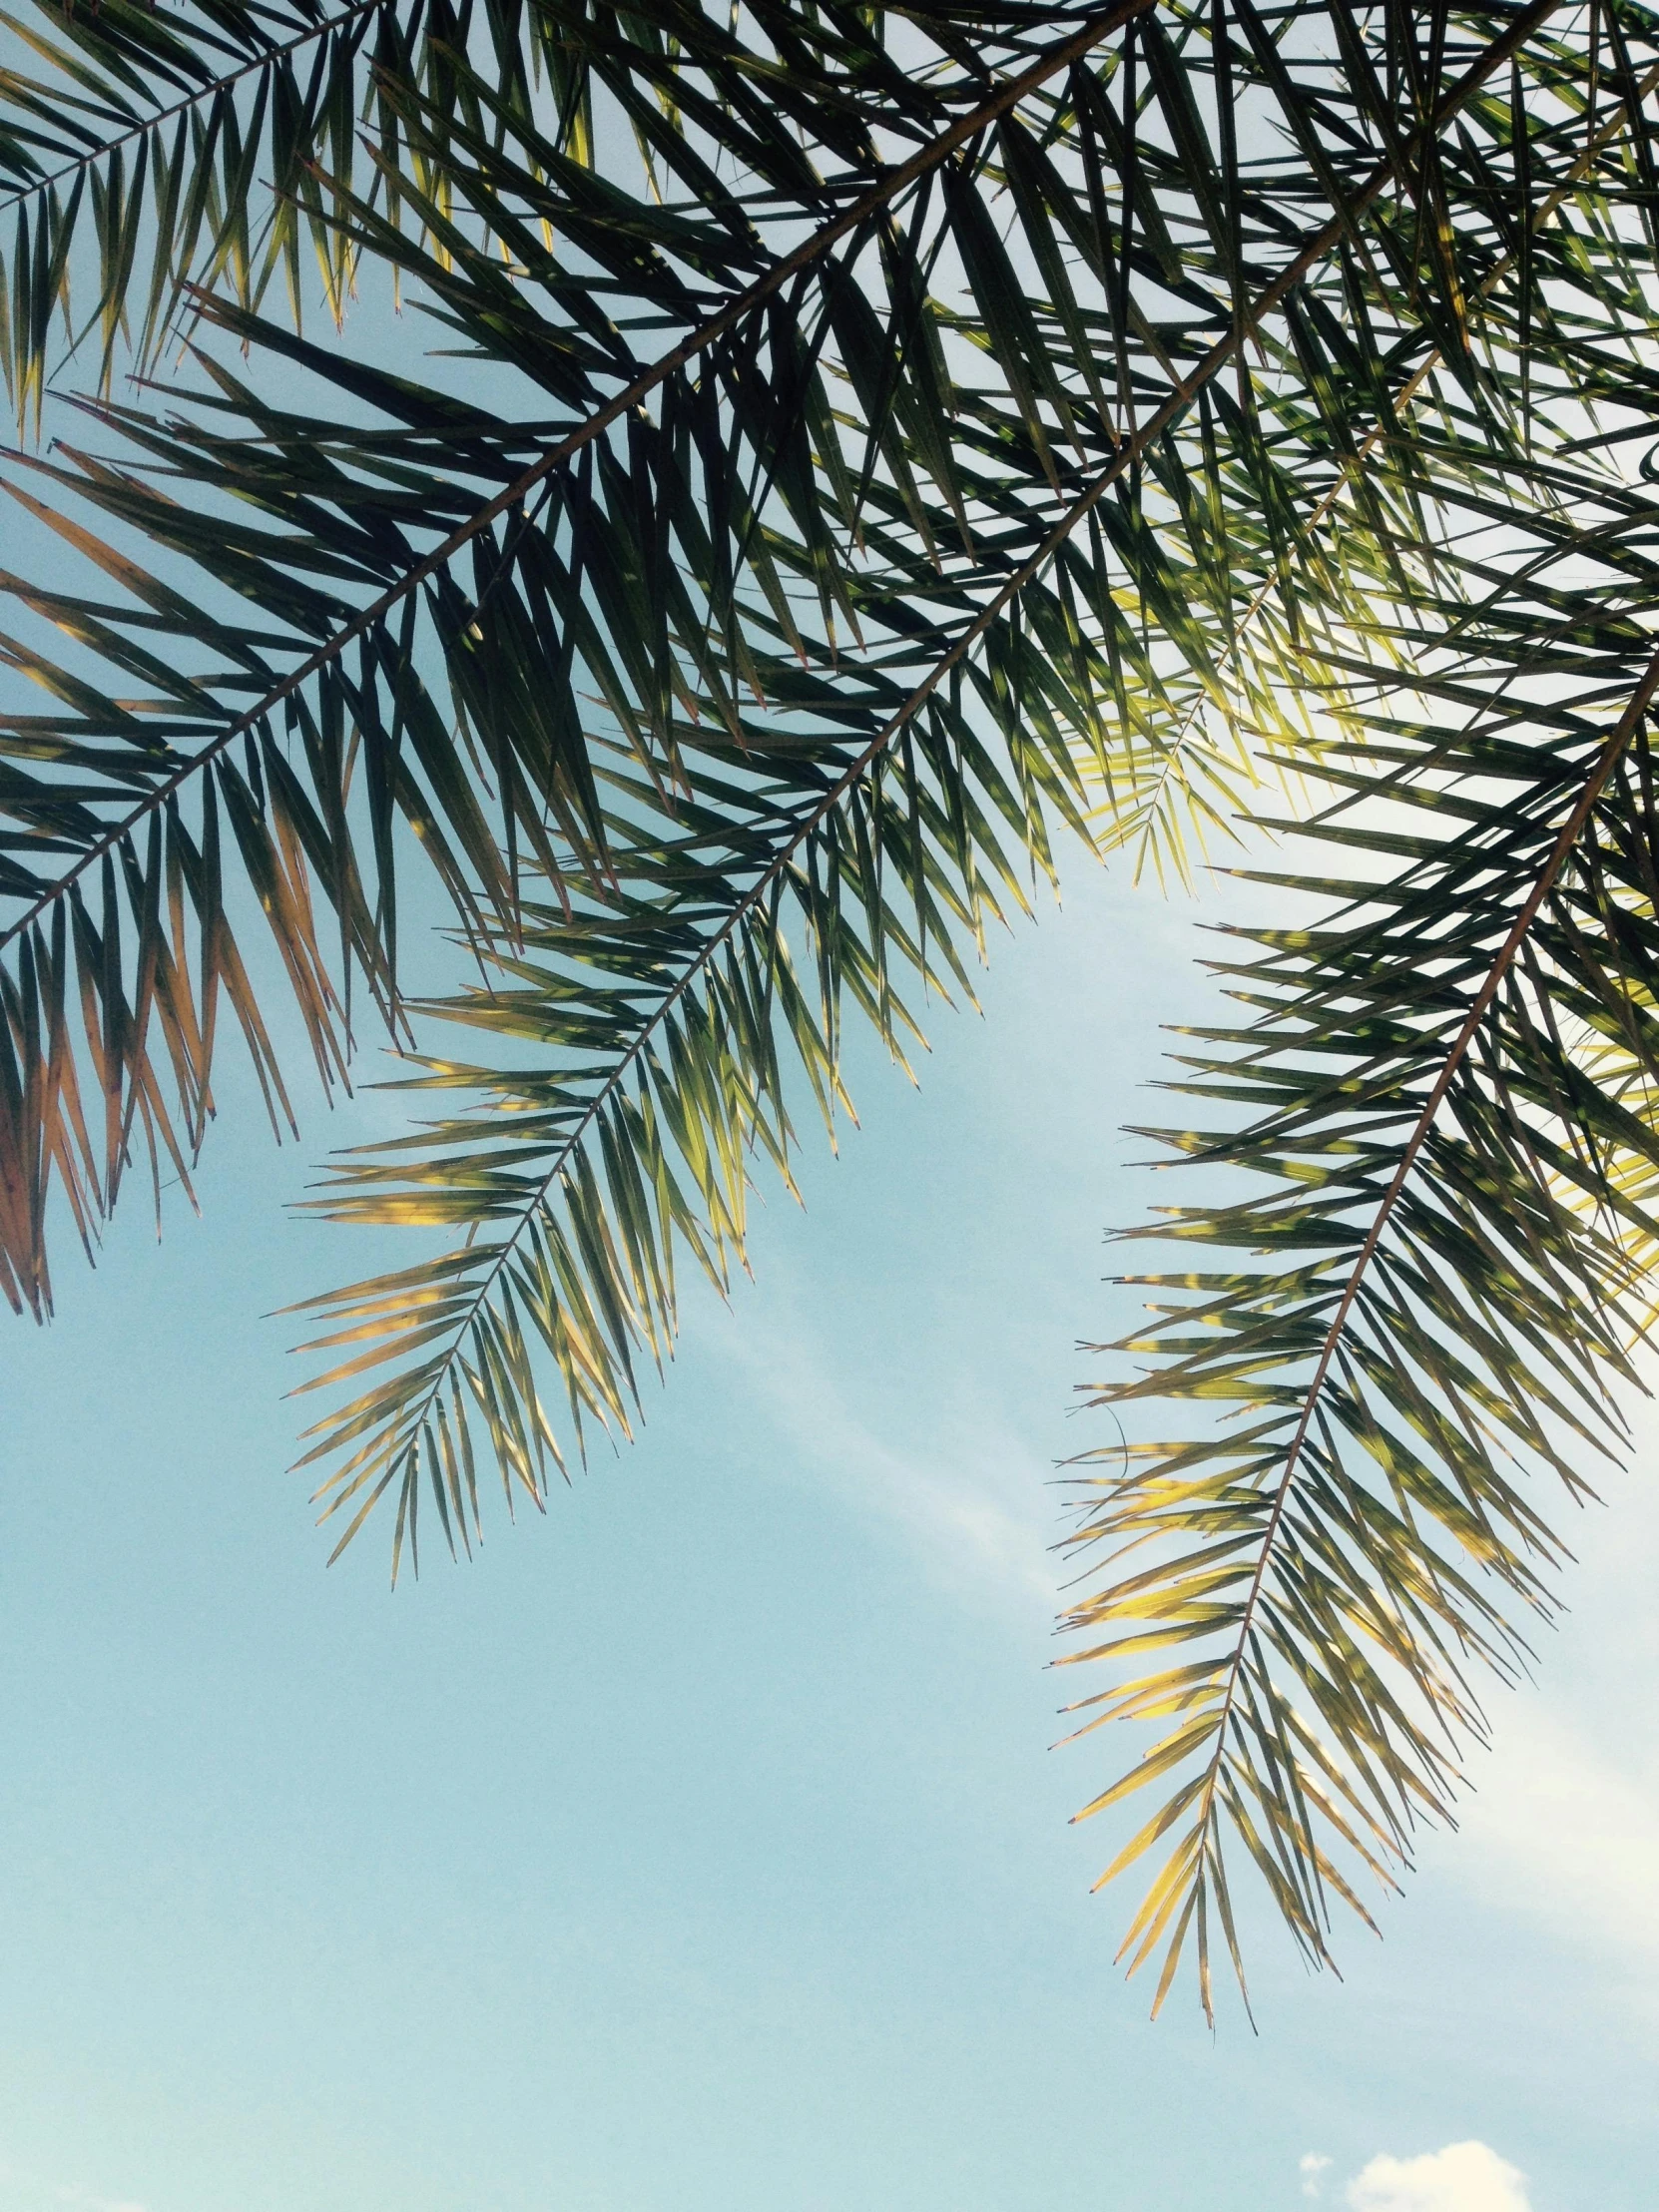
1449,1253
1203,767
174,148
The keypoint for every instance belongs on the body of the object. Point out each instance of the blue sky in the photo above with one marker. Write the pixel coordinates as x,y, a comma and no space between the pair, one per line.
699,1847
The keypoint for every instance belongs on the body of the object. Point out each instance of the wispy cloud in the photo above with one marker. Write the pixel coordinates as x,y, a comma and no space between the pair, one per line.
1313,2166
972,1501
1562,1820
19,2192
1464,2177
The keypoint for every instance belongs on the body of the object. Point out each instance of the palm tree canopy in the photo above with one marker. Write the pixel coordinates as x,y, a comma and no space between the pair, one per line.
894,443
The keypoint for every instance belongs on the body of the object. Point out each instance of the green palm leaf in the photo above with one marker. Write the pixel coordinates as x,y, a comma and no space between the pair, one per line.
1447,1259
172,149
535,599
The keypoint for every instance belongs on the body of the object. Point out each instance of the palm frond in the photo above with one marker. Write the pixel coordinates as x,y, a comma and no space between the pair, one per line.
570,561
176,147
212,147
1201,758
1435,1298
661,1031
919,435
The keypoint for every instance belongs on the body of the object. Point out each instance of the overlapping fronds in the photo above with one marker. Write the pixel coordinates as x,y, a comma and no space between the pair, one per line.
657,1029
817,471
148,152
142,151
583,1272
1392,1352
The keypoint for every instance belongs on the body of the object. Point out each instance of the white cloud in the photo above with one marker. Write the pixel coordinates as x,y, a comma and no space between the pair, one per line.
1312,2166
85,2201
1464,2177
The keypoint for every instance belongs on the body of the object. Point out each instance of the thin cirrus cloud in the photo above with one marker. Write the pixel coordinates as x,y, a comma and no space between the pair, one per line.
1464,2177
23,2193
974,1506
